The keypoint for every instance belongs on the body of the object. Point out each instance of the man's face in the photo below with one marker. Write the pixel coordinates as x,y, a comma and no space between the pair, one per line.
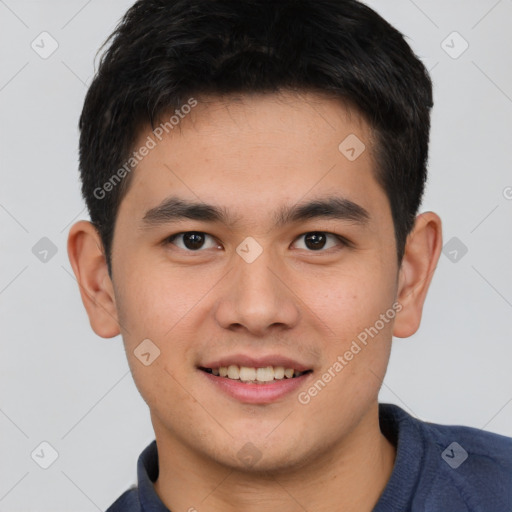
260,288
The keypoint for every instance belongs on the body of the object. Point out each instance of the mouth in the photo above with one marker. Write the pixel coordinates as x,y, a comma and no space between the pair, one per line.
255,375
262,379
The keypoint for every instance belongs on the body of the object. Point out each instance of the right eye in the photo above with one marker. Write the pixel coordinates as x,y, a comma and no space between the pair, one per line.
192,241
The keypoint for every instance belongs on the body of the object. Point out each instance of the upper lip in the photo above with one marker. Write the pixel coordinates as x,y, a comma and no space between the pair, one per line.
256,362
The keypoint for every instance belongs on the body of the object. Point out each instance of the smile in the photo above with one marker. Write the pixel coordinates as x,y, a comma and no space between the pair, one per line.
253,375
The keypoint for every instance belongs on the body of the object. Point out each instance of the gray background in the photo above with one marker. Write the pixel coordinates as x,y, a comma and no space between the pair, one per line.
62,384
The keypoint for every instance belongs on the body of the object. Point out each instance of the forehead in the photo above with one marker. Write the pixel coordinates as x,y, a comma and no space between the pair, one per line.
255,152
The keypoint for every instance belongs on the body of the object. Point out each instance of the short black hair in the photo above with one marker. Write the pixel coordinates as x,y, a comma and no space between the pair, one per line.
164,52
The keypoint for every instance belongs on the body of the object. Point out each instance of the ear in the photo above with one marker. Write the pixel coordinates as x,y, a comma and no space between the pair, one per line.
87,257
422,251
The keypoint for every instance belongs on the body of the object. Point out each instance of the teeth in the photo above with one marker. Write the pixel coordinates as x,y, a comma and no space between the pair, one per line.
247,374
233,372
278,372
253,375
265,374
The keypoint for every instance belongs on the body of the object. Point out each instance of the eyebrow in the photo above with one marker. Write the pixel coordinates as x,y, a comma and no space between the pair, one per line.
174,209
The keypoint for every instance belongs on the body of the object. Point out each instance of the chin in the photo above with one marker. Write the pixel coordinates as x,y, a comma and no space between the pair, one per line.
259,455
266,465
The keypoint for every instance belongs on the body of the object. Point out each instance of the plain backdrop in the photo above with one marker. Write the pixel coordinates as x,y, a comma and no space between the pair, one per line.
63,385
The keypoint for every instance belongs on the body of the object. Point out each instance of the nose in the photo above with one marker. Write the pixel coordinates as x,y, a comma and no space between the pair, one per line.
256,297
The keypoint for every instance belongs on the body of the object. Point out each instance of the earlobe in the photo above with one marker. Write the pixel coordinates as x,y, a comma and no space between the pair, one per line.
421,255
85,252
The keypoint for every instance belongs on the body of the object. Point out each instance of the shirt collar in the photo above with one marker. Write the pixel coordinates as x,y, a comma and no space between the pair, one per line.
147,473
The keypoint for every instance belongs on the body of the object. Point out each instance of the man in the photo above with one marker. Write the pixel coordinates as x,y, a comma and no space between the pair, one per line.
253,171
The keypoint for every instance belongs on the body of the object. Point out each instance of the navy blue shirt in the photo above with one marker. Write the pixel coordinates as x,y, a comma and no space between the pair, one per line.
438,468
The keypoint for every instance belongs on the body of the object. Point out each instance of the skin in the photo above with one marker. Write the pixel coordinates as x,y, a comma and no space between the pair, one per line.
252,155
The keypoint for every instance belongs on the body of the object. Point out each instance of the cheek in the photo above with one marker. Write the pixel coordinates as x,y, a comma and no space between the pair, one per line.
153,300
159,304
151,310
357,313
355,361
349,303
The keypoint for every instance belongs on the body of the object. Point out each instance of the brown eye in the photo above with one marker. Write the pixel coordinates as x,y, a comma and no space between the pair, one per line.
315,241
192,241
318,240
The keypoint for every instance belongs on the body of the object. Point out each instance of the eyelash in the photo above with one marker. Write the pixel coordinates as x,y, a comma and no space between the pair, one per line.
343,241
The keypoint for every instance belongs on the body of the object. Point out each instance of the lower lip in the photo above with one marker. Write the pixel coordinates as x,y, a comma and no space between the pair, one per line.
256,393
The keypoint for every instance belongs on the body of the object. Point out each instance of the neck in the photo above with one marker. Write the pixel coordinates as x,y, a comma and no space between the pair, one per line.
349,476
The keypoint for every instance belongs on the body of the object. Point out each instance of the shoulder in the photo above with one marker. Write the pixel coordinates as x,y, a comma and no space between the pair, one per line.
475,451
479,454
482,448
462,467
476,464
127,502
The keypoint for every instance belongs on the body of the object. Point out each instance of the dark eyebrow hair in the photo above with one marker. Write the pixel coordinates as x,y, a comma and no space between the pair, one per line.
174,208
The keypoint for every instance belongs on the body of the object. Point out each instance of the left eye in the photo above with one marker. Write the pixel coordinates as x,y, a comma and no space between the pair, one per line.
192,241
318,240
